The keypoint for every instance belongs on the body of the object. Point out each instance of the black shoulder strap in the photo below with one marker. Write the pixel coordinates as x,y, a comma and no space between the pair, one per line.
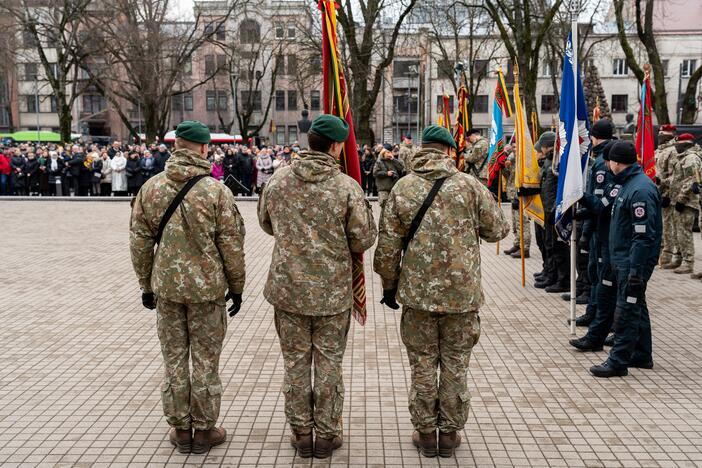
422,211
175,203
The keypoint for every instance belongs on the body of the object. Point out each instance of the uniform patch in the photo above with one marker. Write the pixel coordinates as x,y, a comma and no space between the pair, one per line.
599,178
640,228
639,210
605,202
614,192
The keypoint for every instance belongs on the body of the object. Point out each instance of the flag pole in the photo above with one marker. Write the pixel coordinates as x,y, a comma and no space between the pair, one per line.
521,238
499,203
575,6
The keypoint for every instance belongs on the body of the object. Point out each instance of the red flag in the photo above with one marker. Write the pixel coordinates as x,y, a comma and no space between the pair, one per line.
644,131
462,125
446,110
336,103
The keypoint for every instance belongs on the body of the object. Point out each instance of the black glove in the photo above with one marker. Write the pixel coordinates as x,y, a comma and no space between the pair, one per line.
236,303
695,188
665,202
583,246
389,299
657,180
581,214
515,204
148,300
679,207
528,192
635,288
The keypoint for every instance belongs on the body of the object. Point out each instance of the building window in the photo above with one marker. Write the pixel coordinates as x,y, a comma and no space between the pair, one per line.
280,135
550,68
188,68
54,70
292,100
316,64
215,100
480,104
188,101
221,63
688,67
279,33
209,65
480,68
30,71
664,64
177,103
405,69
620,67
440,103
31,103
251,100
314,100
215,30
405,105
54,104
210,100
548,103
222,100
93,103
291,32
292,64
29,40
292,134
279,65
279,100
249,32
620,102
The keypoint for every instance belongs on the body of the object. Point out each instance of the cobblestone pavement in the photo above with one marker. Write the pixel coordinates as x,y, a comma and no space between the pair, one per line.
81,367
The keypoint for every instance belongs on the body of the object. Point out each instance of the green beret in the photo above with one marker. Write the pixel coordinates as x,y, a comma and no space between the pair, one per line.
547,139
437,134
330,127
194,131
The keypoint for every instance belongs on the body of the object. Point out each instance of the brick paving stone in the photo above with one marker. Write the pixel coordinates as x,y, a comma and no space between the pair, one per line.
81,366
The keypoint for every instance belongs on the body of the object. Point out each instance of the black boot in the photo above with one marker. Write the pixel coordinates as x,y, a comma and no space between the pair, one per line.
605,370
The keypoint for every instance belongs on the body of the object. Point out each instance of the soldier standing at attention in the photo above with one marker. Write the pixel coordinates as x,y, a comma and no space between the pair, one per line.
407,150
319,217
634,246
436,276
516,251
199,256
476,156
666,156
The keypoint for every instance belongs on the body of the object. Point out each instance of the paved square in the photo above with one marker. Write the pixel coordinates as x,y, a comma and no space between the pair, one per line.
81,365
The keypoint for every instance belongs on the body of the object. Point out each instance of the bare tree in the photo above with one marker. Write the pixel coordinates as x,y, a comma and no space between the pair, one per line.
7,70
145,58
54,34
367,54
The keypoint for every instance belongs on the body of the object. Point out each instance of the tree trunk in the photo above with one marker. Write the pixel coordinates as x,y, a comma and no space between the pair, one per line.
65,117
661,107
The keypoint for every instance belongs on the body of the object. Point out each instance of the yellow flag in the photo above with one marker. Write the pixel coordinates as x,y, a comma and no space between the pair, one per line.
528,172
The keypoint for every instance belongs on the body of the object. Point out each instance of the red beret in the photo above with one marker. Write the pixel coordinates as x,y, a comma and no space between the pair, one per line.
686,137
668,128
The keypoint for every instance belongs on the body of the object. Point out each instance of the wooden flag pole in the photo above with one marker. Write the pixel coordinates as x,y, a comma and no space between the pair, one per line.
499,203
521,238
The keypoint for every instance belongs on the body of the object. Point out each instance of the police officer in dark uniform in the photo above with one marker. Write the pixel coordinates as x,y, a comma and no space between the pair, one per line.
634,246
589,243
596,212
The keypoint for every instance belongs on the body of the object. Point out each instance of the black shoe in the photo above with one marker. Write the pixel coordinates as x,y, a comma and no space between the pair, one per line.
566,297
557,288
539,284
583,321
510,251
605,370
538,274
609,341
582,299
585,345
518,254
641,364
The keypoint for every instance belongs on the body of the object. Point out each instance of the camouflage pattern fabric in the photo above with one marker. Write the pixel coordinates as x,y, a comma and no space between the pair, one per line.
440,272
439,341
666,158
201,253
407,150
318,217
305,339
475,156
511,190
196,331
686,171
682,231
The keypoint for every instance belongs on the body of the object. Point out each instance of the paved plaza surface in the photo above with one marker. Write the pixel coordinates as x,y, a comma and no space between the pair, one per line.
81,365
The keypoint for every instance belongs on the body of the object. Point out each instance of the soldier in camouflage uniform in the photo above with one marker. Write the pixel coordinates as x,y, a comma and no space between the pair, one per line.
683,185
437,280
666,156
200,257
319,217
407,150
515,250
477,155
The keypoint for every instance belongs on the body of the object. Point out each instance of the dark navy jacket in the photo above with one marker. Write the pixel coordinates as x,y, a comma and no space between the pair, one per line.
601,210
636,229
600,178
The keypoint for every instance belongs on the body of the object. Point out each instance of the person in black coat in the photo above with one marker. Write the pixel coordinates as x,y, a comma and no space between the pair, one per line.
85,176
160,158
74,167
133,170
243,169
367,170
55,167
31,169
19,177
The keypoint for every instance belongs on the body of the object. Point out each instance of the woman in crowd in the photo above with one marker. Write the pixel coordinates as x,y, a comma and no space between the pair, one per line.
55,168
5,173
264,167
148,167
133,170
17,163
217,167
43,173
31,169
105,175
97,174
119,174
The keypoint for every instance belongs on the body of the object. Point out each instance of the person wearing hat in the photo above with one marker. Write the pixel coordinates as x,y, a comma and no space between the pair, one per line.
435,274
666,158
319,217
407,150
684,198
387,171
476,157
199,257
634,246
160,158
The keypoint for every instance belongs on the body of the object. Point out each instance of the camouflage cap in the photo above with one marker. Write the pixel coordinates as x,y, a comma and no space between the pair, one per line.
195,131
331,127
437,134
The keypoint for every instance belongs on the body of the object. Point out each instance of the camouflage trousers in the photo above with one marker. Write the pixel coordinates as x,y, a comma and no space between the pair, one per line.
318,341
669,247
382,198
682,229
191,331
444,342
515,229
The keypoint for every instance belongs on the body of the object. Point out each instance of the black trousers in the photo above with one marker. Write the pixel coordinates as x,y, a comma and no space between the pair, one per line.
558,257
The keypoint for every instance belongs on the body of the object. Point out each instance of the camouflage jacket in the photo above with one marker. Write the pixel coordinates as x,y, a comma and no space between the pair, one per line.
201,253
440,272
665,159
476,159
406,153
318,217
686,171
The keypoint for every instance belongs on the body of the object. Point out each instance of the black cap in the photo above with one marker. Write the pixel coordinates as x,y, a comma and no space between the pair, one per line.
602,129
607,148
473,131
622,152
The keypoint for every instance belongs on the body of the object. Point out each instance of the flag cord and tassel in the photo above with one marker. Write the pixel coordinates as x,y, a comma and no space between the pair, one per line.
521,238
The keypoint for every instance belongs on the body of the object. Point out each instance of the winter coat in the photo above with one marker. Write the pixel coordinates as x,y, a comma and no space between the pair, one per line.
31,168
18,163
148,168
75,163
119,174
264,164
549,187
5,165
217,171
382,180
160,160
55,172
133,170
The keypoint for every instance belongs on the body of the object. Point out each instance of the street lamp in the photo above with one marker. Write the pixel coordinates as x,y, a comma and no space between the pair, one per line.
233,83
412,71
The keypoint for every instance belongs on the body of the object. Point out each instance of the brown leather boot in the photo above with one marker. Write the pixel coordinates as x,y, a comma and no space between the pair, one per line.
448,443
323,448
203,441
426,443
302,443
181,439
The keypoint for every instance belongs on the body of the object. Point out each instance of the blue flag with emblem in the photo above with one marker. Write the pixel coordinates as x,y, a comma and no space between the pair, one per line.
573,145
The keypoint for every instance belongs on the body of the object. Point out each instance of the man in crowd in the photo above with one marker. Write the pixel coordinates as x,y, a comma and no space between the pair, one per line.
515,250
407,150
666,158
319,218
634,246
160,158
387,172
436,277
200,256
476,157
